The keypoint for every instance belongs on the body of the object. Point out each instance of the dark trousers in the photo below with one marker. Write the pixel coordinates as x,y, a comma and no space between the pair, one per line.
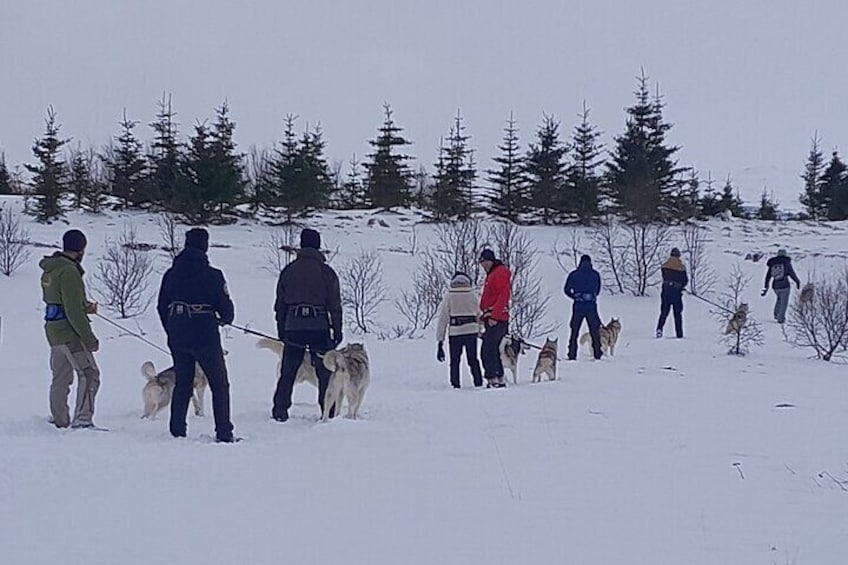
211,360
671,299
318,343
468,343
588,312
490,349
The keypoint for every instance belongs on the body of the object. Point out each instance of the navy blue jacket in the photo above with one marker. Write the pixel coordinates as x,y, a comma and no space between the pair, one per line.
674,276
779,271
583,285
193,301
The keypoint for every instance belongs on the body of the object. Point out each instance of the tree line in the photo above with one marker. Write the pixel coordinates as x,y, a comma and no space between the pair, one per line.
558,178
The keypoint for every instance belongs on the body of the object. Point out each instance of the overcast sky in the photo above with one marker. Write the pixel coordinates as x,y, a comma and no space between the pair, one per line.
746,82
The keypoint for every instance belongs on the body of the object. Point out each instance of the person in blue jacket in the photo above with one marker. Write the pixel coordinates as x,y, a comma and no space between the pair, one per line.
583,286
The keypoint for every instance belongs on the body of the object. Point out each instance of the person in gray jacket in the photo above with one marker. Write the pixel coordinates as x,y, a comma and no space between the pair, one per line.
459,311
309,316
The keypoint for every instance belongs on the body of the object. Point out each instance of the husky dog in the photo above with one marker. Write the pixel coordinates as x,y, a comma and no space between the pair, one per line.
350,376
738,320
546,364
159,388
511,348
609,337
305,373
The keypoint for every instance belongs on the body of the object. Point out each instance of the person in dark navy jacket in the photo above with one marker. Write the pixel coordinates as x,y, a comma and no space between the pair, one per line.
193,303
674,279
583,286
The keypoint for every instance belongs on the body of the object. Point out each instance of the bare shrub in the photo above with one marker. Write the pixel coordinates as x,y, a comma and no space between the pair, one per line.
458,245
14,239
362,288
702,277
739,329
123,275
610,252
419,305
280,248
821,322
646,247
567,250
530,304
169,233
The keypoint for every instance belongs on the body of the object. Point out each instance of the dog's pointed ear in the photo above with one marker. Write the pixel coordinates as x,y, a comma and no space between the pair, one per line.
330,360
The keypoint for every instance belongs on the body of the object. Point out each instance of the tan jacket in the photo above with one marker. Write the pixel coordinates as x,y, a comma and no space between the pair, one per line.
461,301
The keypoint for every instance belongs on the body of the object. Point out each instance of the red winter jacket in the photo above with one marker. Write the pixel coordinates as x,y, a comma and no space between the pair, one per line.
496,293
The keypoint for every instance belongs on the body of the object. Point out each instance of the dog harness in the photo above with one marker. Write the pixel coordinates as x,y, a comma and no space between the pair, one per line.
189,310
462,320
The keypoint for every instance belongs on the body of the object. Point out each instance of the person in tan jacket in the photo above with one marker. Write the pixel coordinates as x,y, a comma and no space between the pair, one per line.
459,318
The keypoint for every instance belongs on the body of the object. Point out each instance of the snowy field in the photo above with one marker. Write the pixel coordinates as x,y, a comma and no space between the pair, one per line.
669,453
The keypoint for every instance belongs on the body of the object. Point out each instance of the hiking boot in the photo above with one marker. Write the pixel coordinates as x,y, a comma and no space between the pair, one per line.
227,439
659,334
281,417
82,424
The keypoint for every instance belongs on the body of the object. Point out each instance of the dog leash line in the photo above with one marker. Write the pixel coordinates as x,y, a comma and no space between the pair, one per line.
133,334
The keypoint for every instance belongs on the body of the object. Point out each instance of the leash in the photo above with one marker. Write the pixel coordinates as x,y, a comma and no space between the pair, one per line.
286,342
133,334
711,303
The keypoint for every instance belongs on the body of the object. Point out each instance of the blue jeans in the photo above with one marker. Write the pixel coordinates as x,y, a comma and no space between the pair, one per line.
781,304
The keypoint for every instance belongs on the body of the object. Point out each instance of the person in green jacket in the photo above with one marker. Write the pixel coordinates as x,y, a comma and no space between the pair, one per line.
72,342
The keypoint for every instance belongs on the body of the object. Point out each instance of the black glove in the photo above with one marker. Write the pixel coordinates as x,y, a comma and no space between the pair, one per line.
440,353
337,337
764,292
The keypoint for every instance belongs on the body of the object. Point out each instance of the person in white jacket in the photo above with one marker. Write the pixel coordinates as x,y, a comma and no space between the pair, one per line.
459,318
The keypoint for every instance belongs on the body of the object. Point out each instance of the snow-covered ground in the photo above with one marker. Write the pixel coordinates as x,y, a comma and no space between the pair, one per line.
669,453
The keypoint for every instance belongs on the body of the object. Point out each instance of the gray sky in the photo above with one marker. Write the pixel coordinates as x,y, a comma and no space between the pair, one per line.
746,82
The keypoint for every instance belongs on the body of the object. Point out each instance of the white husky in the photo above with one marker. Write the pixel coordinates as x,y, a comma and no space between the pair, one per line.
159,389
351,374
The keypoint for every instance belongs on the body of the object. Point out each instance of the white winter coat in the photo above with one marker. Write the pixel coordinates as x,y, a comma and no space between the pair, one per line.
461,300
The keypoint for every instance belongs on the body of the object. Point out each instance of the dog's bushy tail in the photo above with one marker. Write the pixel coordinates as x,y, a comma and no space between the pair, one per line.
270,344
148,370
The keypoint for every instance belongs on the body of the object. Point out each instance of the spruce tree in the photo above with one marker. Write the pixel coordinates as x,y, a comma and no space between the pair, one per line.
388,179
686,204
230,183
5,178
768,207
709,204
453,183
126,166
834,187
164,159
729,201
49,175
352,195
545,169
642,176
85,185
508,196
813,197
582,182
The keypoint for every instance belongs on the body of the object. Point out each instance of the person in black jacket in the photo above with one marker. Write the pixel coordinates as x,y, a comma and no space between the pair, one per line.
309,315
193,302
583,286
675,280
779,271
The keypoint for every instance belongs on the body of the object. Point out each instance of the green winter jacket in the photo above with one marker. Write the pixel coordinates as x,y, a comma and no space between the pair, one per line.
61,283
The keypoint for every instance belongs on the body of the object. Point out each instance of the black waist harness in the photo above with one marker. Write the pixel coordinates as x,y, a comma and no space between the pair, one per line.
54,313
306,311
183,309
462,320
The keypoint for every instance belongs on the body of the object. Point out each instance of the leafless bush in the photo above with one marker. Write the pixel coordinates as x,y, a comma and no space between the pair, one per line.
821,322
169,233
362,287
280,248
702,277
14,239
646,246
568,249
123,275
530,304
419,305
610,252
739,329
458,245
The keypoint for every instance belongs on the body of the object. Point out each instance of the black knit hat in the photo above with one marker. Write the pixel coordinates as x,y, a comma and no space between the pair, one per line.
310,239
488,255
197,238
585,259
675,252
74,240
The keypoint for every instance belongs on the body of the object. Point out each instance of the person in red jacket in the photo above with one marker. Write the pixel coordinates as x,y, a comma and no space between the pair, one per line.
494,304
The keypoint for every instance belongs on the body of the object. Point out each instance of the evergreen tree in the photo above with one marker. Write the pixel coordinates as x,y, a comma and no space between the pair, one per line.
813,198
643,177
709,204
229,183
545,169
85,184
164,159
834,188
352,195
453,182
730,200
388,179
687,203
126,166
768,207
509,197
49,175
6,186
582,182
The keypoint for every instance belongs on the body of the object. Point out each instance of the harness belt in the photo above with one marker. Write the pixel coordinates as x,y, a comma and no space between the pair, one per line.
54,313
306,311
462,320
189,310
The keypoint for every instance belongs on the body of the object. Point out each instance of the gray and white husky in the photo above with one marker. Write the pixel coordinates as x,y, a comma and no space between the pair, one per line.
546,364
350,375
159,389
511,348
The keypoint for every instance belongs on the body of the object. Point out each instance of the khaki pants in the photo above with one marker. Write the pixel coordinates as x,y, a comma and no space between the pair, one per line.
65,360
